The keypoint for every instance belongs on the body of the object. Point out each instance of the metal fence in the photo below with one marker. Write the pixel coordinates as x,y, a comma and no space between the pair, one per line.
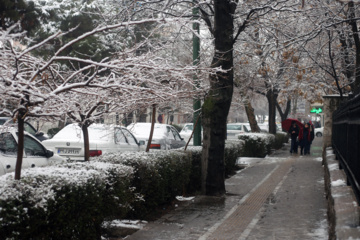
346,140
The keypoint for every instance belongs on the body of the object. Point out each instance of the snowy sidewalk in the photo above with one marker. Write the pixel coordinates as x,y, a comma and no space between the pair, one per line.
278,197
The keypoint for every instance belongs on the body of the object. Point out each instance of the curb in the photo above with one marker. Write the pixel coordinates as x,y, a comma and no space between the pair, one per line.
343,209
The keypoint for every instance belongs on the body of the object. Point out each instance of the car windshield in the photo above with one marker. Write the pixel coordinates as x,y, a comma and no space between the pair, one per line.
233,127
188,127
96,133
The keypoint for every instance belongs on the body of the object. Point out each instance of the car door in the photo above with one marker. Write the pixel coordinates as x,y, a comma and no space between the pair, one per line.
133,144
8,152
35,153
177,141
121,141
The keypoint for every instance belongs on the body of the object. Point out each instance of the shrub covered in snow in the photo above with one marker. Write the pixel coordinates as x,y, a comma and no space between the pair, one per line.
232,152
71,201
257,144
159,176
63,202
280,139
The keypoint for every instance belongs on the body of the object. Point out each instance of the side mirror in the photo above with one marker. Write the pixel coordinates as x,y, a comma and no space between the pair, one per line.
39,134
141,142
49,153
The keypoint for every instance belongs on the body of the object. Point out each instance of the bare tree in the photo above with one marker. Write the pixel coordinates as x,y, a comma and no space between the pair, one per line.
34,87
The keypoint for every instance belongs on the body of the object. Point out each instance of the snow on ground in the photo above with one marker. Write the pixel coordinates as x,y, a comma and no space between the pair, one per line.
338,183
247,161
333,166
133,224
181,199
321,232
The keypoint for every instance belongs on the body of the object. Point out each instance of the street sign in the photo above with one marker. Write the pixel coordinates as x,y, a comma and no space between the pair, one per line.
316,110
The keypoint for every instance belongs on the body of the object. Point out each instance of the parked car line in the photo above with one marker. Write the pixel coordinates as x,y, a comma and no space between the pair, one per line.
69,141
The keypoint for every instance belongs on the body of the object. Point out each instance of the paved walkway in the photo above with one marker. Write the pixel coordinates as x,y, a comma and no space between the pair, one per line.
278,197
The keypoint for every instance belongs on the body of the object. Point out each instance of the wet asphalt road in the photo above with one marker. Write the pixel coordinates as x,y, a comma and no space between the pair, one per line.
278,197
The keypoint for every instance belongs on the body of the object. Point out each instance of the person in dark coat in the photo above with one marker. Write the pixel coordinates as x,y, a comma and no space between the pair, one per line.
294,132
312,133
306,136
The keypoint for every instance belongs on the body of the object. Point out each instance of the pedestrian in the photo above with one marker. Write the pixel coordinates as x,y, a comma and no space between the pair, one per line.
306,136
294,132
312,134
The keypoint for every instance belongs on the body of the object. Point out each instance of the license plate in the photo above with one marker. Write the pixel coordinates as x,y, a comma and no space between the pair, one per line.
68,151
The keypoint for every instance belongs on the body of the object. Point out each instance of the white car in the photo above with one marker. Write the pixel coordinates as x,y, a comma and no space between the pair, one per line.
35,154
6,121
186,131
319,132
164,137
233,130
69,141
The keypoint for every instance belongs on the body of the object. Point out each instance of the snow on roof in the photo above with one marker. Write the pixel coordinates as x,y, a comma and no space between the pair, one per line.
97,132
143,129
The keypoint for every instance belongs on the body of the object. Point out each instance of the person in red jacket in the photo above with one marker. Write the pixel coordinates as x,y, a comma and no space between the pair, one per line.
306,136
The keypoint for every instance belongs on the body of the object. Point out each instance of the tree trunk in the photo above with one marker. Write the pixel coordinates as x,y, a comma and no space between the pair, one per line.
217,103
272,98
153,120
355,33
251,117
294,106
284,115
85,131
20,149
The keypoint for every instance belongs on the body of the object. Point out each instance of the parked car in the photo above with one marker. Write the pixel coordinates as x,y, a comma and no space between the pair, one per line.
164,137
35,153
235,129
264,127
319,132
69,141
186,131
28,127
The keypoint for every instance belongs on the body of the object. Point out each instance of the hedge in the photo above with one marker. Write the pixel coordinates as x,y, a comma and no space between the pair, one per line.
158,177
261,144
63,202
71,201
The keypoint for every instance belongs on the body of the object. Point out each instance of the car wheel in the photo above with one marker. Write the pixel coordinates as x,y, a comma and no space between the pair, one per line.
319,134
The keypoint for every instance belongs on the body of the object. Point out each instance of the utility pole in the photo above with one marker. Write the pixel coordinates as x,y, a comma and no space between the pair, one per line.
196,59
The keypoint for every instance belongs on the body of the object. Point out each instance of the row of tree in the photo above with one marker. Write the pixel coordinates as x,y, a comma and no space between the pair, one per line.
90,58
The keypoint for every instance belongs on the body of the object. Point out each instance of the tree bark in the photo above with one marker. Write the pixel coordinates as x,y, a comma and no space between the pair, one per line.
271,96
284,115
85,131
217,103
153,120
355,33
20,147
251,117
